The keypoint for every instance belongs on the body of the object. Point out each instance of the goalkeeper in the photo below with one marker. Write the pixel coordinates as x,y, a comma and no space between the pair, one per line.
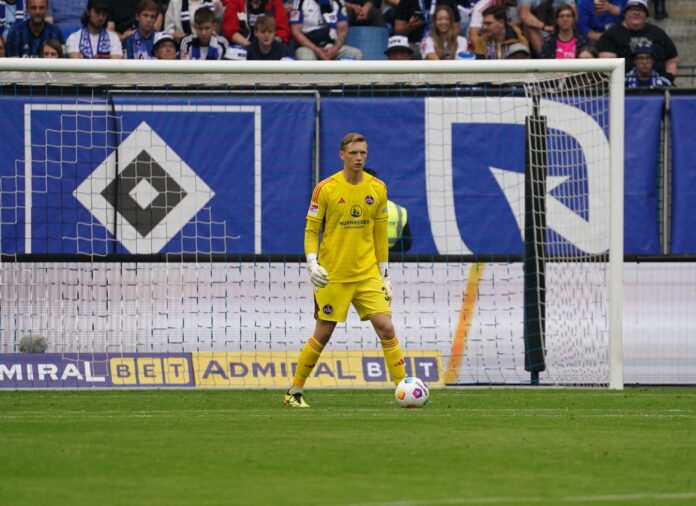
350,265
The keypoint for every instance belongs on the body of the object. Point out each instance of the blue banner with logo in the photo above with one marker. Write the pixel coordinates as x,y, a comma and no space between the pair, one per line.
181,174
169,175
683,123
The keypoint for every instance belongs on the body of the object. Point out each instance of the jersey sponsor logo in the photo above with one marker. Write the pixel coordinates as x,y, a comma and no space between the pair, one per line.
369,200
356,211
327,309
313,209
341,201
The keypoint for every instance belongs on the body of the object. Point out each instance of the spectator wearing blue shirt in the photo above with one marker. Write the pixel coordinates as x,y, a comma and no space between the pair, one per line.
597,16
66,15
11,12
138,45
26,37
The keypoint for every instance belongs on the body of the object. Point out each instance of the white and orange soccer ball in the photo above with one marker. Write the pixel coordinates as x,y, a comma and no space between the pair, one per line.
411,392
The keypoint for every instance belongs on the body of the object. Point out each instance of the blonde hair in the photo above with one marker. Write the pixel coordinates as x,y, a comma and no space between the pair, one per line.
443,42
350,139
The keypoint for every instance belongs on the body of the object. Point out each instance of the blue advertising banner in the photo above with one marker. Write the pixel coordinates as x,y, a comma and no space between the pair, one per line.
73,370
170,175
460,176
683,123
181,174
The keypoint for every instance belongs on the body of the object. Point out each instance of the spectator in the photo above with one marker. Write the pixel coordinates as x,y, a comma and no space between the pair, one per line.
11,12
320,28
265,46
93,40
444,42
621,40
66,15
518,51
476,22
588,51
26,37
364,13
597,16
643,74
566,38
177,20
51,48
398,48
2,46
138,45
537,18
413,19
240,17
205,44
497,36
123,17
164,47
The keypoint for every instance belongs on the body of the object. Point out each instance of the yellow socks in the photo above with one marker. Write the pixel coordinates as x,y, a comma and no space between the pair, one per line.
306,362
394,358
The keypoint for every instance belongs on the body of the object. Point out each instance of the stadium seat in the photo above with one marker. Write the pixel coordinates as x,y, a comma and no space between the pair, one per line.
371,40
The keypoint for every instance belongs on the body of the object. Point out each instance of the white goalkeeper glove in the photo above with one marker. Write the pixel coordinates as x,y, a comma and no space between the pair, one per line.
387,288
317,274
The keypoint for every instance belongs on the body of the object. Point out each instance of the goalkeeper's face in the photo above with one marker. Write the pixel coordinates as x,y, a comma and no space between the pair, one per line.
354,156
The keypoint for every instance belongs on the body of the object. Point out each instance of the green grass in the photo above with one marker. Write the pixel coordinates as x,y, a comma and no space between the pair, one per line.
468,446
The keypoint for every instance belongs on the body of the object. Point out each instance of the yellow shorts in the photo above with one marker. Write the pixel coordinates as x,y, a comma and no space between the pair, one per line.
332,302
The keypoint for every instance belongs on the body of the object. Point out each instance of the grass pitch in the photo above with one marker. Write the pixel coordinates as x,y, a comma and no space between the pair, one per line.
467,446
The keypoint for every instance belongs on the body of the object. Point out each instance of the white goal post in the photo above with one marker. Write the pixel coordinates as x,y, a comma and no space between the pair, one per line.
189,303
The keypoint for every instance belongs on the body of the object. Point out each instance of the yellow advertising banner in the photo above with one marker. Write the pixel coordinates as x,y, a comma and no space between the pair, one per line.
334,369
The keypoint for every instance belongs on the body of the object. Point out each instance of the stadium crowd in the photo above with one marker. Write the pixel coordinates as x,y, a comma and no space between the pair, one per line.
318,30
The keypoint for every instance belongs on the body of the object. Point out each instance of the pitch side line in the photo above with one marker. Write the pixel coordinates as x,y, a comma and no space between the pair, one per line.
538,499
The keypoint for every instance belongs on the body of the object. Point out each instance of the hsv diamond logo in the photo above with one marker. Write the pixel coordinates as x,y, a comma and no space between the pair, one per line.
152,197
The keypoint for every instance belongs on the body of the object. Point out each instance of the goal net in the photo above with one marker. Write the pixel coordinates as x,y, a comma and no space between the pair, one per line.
152,218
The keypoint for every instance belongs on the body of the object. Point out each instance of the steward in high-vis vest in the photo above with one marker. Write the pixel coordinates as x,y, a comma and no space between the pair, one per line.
398,231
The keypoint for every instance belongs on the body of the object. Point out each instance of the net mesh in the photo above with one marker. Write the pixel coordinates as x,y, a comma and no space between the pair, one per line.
156,214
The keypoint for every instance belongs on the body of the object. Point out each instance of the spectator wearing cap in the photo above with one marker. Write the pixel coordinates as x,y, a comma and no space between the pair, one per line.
265,45
497,36
178,20
398,48
93,40
444,41
518,51
11,12
26,37
643,74
164,47
621,40
596,16
566,39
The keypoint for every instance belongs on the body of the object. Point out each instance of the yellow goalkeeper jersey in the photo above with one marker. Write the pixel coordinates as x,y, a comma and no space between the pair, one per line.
348,249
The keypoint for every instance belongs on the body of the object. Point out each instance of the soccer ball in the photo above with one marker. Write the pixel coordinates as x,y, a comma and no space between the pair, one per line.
411,393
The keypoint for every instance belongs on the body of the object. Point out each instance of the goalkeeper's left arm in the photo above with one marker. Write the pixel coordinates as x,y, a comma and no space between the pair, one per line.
382,254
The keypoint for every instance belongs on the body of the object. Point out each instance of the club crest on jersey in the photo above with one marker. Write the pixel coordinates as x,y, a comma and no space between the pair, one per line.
369,200
313,209
356,211
327,309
